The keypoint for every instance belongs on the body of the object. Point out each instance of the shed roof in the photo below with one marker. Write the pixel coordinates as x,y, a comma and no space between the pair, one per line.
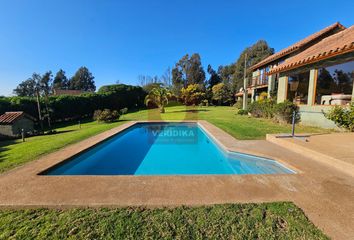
298,45
58,92
11,117
334,45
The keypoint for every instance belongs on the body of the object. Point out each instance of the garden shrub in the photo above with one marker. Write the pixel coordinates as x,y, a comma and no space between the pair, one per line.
123,111
242,112
262,108
238,104
263,96
342,117
283,112
106,115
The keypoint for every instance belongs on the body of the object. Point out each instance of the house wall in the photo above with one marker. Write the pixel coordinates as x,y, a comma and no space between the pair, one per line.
22,123
6,130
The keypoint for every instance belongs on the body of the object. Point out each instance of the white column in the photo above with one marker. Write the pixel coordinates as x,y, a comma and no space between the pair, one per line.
282,89
271,79
312,85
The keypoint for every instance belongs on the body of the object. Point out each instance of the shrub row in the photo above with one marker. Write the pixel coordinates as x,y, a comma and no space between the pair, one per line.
281,112
65,107
106,115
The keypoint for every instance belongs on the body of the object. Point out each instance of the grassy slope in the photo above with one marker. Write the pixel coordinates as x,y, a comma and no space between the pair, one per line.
14,152
230,221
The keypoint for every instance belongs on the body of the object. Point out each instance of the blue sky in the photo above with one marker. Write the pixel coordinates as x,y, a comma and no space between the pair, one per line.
119,40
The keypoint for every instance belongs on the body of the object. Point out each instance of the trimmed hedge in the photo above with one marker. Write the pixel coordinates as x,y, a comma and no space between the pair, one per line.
66,107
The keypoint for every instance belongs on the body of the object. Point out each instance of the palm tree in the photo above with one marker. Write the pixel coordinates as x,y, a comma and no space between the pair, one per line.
158,96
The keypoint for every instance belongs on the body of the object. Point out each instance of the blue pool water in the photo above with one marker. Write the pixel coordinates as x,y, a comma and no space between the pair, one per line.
163,149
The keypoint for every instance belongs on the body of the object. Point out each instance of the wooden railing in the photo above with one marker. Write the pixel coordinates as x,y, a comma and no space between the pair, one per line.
259,80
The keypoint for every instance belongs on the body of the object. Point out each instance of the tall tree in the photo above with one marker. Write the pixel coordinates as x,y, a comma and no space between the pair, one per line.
255,53
60,80
166,77
177,81
194,70
226,73
214,77
26,88
83,80
188,70
45,83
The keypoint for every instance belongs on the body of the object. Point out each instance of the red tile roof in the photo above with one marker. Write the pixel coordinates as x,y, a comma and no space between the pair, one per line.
10,117
298,45
57,92
336,44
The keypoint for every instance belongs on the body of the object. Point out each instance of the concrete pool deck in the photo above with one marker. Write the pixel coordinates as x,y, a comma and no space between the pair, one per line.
326,194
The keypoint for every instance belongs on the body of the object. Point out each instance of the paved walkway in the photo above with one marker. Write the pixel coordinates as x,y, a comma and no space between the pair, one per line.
336,145
335,150
323,192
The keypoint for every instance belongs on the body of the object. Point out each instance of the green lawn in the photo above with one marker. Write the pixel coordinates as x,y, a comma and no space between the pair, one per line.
14,152
230,221
241,127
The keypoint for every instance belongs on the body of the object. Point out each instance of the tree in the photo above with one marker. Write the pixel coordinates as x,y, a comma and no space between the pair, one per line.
83,80
256,53
166,77
194,71
222,94
45,83
26,88
158,96
193,94
177,81
214,77
60,80
188,71
226,73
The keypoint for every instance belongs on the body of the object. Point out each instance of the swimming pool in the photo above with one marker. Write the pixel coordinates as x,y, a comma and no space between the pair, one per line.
163,149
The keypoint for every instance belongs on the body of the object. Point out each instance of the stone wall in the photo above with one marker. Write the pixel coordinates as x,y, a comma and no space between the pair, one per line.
313,116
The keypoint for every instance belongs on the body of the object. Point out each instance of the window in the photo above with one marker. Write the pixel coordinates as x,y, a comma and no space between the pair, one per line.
261,78
335,84
298,87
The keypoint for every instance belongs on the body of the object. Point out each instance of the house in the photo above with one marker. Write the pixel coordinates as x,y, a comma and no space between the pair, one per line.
59,92
12,123
316,73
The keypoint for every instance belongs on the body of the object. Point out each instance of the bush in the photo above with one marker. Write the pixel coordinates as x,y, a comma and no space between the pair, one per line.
106,115
123,111
263,96
238,104
342,117
283,112
263,108
242,112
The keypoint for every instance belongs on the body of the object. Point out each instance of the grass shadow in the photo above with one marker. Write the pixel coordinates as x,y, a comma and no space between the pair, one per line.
3,147
189,111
